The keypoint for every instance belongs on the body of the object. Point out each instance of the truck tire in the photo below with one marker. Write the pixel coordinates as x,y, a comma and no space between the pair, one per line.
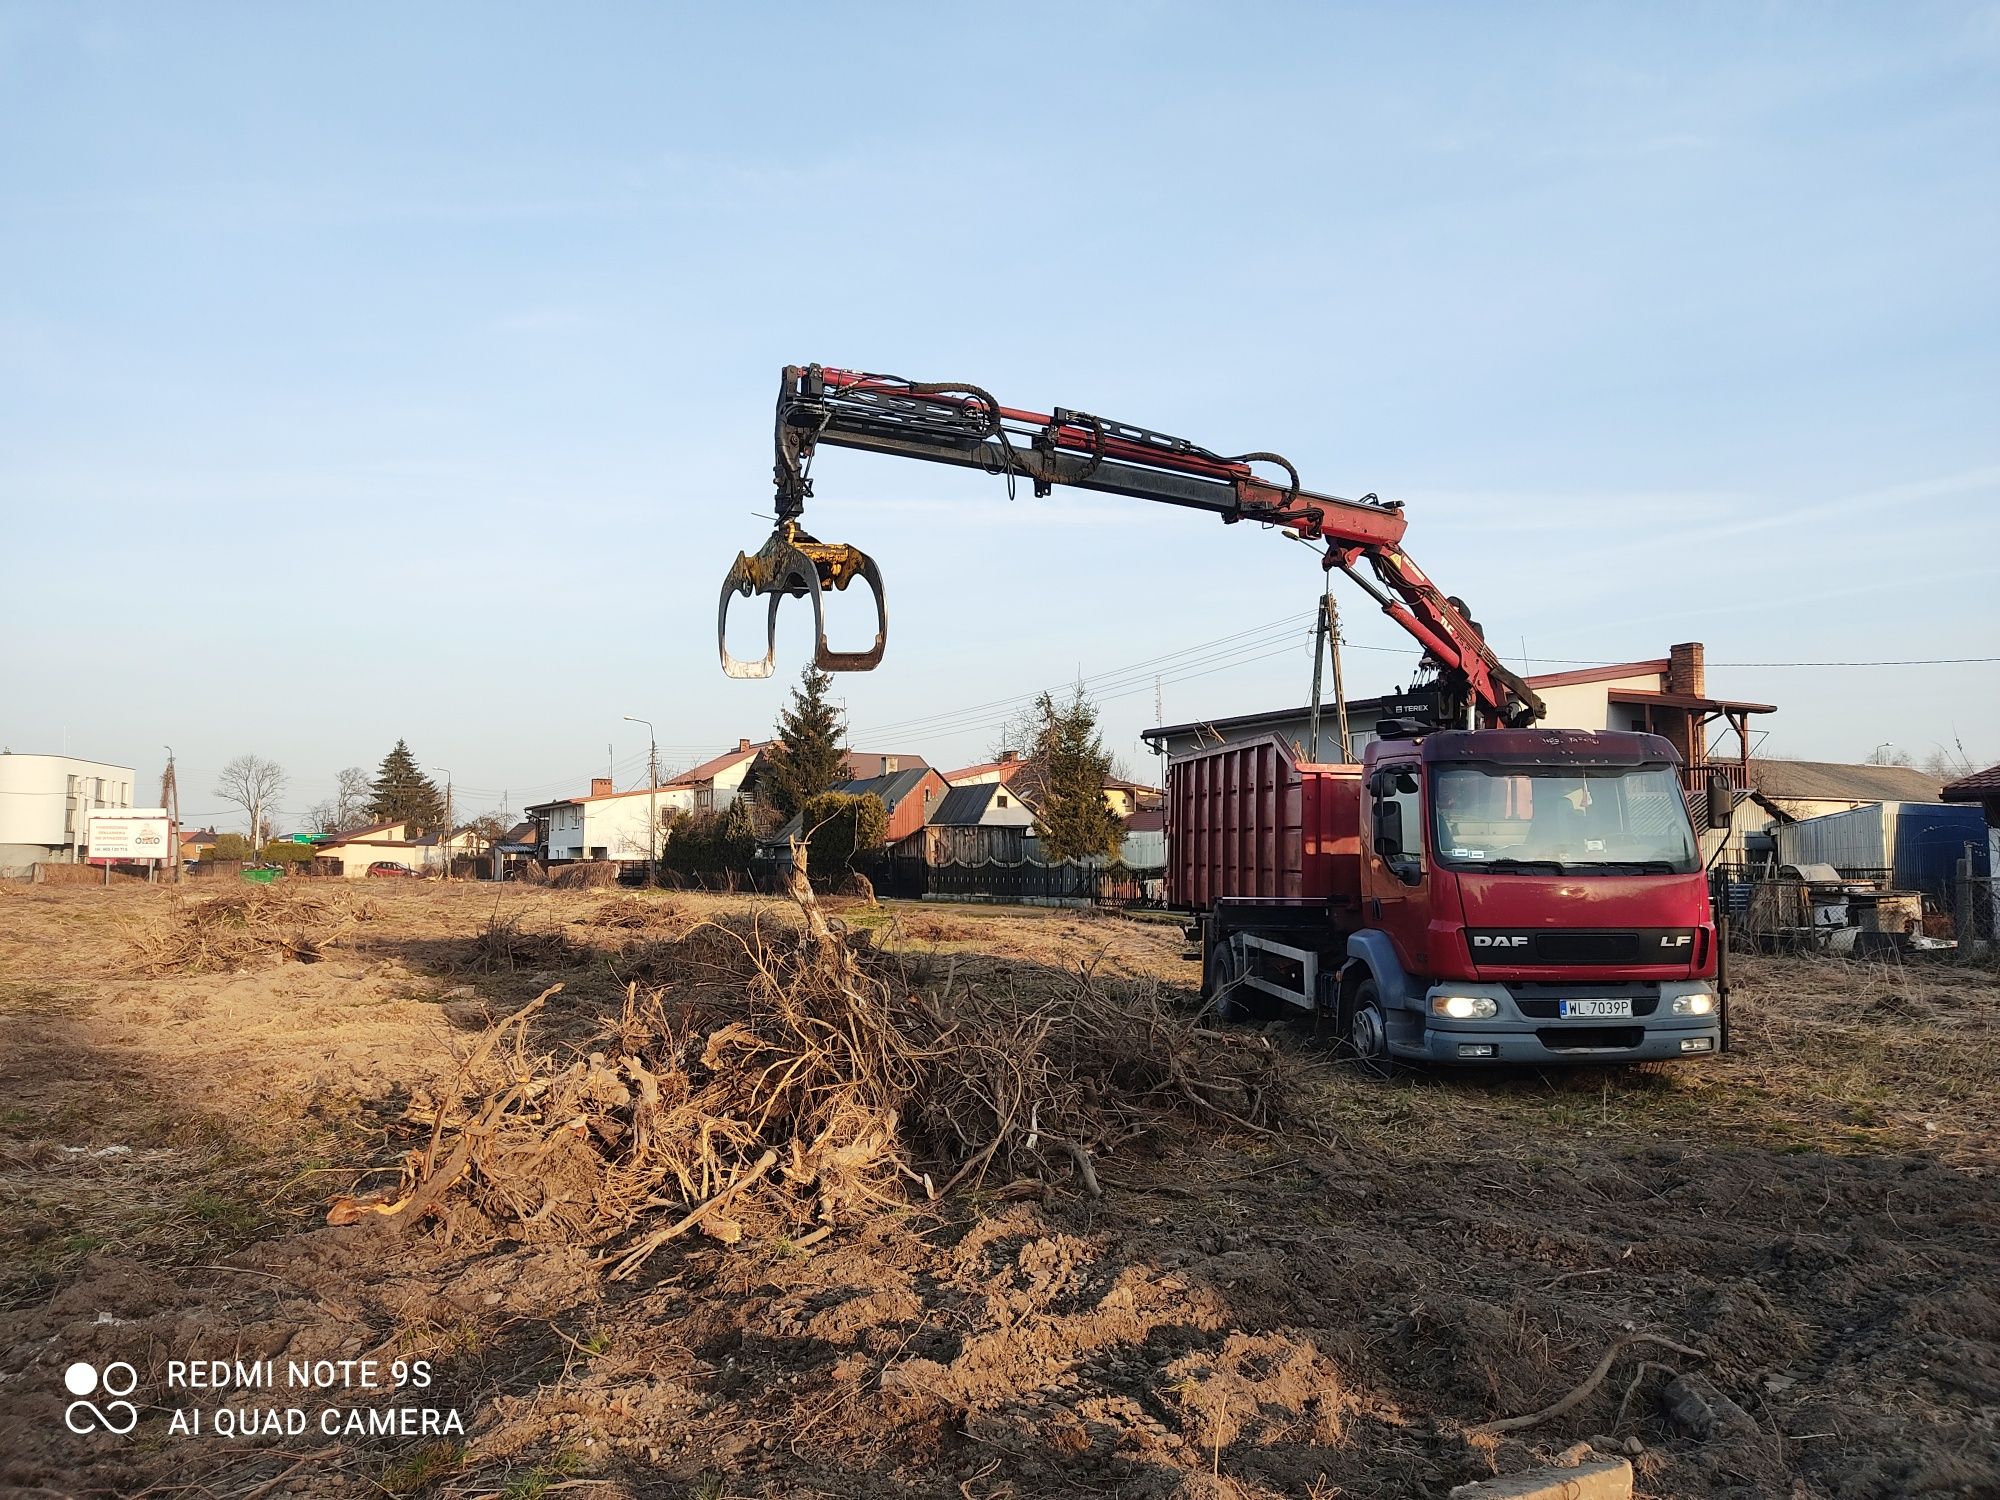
1220,996
1366,1029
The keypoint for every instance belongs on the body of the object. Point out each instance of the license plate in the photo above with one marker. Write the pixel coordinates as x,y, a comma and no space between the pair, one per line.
1599,1009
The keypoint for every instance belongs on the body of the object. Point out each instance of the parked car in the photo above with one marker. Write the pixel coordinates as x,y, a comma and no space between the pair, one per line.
388,869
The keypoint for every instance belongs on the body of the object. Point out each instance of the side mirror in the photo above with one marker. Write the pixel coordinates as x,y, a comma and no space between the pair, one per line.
1721,805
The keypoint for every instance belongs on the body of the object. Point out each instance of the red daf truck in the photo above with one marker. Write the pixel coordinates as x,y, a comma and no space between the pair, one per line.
1478,890
1462,896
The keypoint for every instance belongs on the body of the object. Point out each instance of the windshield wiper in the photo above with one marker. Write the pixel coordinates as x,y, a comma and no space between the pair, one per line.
1554,865
1643,866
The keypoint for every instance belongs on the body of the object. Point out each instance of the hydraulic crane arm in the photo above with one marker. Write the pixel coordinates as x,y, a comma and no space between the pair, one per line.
966,426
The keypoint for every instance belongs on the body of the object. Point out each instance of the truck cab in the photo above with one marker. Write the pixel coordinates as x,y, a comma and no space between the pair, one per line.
1528,895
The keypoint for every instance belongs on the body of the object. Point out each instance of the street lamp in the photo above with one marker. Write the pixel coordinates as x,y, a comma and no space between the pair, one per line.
652,798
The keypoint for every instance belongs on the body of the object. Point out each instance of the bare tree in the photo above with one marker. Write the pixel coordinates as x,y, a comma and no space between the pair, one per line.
354,789
253,784
347,808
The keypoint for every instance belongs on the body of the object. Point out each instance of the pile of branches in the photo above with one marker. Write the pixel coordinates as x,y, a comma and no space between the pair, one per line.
246,925
817,1087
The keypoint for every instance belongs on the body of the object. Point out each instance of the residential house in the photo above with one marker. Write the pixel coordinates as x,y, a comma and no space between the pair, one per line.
606,824
717,783
1983,787
517,846
1812,788
910,796
1128,798
45,805
197,844
980,821
394,841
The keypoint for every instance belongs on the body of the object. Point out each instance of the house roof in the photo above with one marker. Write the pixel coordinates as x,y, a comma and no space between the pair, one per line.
708,770
1149,820
865,765
1688,700
1830,781
1357,708
1135,787
1610,672
892,788
970,806
366,831
1980,786
1006,770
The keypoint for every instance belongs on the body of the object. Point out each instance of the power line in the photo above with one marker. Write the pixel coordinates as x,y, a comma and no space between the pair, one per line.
1914,661
1111,676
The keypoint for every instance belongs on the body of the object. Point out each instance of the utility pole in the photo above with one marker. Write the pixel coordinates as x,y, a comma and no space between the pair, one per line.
170,798
1339,688
1326,644
447,820
652,798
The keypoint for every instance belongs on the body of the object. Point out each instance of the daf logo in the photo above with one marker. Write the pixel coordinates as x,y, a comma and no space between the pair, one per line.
1676,940
1482,940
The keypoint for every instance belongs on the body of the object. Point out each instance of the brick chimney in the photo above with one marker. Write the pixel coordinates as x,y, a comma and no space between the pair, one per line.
1008,757
742,746
600,786
1684,670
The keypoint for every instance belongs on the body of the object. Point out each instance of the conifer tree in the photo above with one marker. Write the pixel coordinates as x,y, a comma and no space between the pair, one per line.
1064,780
809,755
401,792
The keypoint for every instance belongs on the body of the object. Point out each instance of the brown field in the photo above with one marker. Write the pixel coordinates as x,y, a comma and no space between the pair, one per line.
1297,1280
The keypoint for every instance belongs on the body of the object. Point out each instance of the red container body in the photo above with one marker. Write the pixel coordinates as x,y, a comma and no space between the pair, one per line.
1251,821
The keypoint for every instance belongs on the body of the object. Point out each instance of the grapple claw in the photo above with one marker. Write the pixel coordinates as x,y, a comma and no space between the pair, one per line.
790,562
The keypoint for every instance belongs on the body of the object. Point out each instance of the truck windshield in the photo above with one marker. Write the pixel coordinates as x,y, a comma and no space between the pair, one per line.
1597,819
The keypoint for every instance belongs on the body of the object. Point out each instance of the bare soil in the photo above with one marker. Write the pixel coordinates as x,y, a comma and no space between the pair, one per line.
1332,1307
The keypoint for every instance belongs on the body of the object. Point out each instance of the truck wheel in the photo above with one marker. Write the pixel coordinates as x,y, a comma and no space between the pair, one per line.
1218,986
1368,1029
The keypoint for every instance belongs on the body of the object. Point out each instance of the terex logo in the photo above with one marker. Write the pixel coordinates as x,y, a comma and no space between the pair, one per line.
1487,940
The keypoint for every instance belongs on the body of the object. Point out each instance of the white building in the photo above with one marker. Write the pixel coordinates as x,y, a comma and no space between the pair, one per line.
43,803
608,824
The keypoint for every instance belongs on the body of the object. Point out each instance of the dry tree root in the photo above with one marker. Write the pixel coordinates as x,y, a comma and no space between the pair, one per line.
790,1077
1590,1383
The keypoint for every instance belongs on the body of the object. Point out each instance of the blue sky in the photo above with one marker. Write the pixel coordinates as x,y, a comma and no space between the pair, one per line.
413,365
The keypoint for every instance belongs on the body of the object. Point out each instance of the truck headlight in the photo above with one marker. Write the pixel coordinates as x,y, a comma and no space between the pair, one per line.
1464,1007
1693,1005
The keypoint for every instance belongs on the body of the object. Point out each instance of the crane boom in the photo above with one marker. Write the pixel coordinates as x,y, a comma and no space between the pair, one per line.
966,426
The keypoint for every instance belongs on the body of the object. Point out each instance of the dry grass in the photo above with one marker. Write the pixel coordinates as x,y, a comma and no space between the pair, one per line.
53,874
204,935
589,875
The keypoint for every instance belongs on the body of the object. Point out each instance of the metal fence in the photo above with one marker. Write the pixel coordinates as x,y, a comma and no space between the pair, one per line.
1026,882
1976,916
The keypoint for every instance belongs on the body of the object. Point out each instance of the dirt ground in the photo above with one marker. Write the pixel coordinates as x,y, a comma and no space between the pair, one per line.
1331,1308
